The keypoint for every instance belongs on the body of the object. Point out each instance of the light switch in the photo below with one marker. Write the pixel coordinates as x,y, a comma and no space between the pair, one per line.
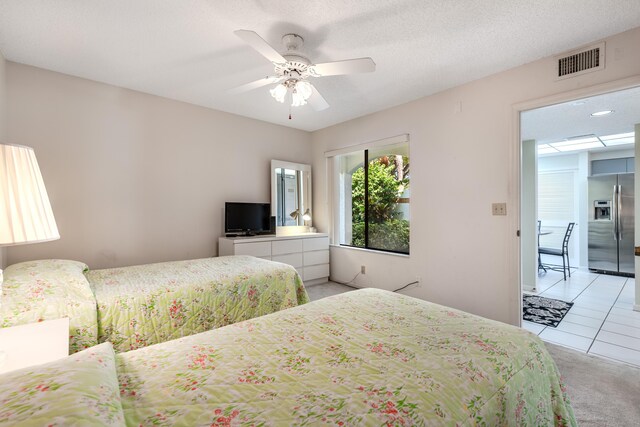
499,208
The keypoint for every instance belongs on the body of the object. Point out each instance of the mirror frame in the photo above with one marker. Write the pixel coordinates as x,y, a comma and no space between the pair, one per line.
277,164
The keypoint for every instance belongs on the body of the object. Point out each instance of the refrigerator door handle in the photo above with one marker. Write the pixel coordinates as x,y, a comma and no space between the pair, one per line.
619,212
614,215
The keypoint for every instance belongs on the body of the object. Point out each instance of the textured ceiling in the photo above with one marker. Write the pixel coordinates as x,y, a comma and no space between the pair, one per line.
186,50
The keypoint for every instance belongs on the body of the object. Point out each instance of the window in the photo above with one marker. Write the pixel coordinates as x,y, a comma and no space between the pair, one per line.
372,194
557,206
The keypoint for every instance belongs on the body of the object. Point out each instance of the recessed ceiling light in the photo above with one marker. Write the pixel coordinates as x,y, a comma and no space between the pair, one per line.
601,113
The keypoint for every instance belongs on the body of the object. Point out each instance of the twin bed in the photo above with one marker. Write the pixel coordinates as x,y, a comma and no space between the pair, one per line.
133,307
367,357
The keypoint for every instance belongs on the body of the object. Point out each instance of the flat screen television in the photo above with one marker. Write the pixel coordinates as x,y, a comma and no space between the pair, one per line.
247,218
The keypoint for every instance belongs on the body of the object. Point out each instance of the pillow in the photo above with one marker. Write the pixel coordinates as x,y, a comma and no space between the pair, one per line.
47,266
51,289
81,389
43,276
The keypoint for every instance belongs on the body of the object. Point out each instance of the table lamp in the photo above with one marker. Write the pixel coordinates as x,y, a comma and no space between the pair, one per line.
25,211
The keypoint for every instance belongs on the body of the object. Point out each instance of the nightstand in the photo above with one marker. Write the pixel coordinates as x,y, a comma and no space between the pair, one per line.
33,344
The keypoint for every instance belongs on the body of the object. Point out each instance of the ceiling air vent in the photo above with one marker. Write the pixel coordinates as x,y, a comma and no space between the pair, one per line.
581,61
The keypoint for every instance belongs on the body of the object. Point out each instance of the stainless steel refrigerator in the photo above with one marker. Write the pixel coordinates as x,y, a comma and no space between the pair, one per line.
611,227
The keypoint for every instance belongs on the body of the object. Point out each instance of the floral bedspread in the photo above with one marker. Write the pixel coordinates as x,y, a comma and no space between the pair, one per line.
148,304
79,390
368,357
33,291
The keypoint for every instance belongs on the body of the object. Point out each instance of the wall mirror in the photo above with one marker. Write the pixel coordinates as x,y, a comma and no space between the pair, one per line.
291,193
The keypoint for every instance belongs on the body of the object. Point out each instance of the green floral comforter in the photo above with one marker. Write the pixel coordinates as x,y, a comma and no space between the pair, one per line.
367,357
148,304
33,291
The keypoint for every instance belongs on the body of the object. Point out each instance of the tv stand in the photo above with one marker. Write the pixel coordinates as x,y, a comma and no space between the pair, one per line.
250,234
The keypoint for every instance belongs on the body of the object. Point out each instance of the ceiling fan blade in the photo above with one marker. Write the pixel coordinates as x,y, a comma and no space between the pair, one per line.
258,43
349,66
254,85
317,101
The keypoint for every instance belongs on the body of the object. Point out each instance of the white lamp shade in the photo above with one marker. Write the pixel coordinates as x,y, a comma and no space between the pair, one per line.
304,89
279,92
297,100
25,211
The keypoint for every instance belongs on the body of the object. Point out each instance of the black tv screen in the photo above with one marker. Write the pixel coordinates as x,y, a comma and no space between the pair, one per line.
247,218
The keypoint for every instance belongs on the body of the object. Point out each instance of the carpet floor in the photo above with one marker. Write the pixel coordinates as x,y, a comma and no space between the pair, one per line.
602,392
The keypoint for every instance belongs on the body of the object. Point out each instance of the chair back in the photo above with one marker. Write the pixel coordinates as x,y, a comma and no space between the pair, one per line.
567,236
539,227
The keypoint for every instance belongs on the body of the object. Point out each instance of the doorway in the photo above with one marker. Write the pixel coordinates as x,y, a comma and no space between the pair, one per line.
564,145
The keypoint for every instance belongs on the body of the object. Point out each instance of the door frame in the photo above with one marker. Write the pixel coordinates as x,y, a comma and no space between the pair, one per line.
514,245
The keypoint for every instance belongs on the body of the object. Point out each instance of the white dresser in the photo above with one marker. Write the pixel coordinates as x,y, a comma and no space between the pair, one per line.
308,252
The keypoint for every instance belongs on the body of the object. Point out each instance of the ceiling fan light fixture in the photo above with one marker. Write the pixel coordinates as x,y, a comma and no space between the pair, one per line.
292,68
279,92
304,89
601,113
297,99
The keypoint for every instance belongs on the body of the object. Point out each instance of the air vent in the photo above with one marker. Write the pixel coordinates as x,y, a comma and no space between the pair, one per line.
582,61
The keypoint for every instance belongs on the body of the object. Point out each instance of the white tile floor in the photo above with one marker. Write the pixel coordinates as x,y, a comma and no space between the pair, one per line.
601,322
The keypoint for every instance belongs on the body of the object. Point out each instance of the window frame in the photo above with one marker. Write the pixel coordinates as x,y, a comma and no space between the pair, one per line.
333,195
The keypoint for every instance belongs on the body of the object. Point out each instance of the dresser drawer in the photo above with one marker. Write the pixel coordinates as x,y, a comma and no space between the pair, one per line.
280,247
316,244
316,257
315,272
258,249
291,259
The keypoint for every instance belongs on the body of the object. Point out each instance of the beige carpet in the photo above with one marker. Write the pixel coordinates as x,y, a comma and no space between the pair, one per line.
602,392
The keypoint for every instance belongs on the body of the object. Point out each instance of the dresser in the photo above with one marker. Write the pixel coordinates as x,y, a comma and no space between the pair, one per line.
308,253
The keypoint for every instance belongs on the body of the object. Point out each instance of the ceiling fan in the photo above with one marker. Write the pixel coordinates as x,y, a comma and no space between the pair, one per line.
292,70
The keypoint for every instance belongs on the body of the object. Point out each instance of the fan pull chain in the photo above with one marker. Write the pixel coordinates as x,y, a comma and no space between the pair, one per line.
289,111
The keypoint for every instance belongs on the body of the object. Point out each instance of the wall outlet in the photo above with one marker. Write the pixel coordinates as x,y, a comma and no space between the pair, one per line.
363,269
499,208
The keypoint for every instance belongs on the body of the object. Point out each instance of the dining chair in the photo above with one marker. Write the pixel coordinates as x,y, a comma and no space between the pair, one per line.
540,266
561,252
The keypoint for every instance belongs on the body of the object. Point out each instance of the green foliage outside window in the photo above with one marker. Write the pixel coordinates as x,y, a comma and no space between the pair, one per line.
388,230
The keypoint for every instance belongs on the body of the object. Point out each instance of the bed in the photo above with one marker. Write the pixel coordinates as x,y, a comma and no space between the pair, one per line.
367,357
133,307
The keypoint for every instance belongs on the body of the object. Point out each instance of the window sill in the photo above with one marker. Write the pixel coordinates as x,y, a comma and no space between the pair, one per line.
353,248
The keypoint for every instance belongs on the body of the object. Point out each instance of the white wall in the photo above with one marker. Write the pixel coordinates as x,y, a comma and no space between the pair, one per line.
636,207
3,99
529,221
3,124
135,178
464,156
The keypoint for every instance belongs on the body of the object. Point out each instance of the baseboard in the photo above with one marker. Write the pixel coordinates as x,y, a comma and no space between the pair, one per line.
316,281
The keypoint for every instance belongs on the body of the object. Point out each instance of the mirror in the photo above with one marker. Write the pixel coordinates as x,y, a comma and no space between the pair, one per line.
291,193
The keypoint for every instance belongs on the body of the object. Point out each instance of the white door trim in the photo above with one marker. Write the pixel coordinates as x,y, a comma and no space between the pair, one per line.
515,269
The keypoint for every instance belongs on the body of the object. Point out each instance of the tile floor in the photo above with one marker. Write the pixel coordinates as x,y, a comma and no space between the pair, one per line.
601,322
